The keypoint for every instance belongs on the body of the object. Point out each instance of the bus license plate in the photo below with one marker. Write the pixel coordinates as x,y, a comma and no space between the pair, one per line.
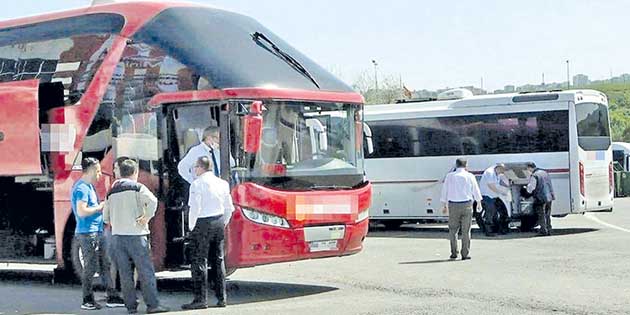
321,246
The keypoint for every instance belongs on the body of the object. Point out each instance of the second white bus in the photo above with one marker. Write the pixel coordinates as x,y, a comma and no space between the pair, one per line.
415,145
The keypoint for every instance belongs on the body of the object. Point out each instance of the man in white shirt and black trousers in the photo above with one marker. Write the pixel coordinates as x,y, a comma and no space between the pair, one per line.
459,192
210,211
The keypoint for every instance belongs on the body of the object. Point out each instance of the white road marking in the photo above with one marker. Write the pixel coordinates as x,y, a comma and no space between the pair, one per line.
594,218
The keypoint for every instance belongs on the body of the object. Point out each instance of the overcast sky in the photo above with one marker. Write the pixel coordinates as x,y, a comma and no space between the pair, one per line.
437,44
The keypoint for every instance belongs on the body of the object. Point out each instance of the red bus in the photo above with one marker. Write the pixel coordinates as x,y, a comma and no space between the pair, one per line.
143,80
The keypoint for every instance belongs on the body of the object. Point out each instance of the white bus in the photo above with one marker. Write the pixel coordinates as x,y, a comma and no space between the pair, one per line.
415,145
621,154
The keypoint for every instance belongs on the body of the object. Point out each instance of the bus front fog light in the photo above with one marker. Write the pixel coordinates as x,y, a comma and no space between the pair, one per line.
362,215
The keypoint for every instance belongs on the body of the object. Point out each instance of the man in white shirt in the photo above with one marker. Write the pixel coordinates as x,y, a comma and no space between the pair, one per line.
210,211
209,147
491,190
459,192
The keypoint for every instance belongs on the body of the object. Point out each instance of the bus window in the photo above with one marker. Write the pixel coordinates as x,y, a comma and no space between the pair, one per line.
471,135
592,126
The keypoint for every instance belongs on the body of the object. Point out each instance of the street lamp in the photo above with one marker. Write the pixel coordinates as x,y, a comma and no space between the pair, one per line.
375,74
568,77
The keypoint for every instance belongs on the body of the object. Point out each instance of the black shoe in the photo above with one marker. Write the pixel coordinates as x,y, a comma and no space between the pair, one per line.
466,258
195,306
221,304
115,301
91,306
132,311
158,309
453,257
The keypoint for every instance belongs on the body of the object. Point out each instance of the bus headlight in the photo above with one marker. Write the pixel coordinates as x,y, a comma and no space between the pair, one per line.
265,218
362,215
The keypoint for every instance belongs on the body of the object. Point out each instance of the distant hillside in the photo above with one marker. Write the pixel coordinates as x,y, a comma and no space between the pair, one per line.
619,100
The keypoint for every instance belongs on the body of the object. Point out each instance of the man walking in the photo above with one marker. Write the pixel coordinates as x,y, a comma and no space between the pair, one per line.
89,234
491,189
210,210
128,209
459,192
540,188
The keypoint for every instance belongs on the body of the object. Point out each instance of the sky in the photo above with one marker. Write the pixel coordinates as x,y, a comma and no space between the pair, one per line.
438,44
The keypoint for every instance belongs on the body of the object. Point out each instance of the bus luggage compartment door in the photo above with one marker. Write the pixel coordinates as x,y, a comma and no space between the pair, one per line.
19,128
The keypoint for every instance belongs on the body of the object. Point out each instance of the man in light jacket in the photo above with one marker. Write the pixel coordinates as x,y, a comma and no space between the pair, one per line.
128,209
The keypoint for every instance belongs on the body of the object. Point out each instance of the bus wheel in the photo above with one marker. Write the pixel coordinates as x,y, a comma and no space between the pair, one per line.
392,224
528,223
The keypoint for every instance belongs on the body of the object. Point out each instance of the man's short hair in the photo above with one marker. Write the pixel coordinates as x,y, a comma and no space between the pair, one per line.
212,130
461,162
501,165
120,160
530,165
204,163
128,167
88,163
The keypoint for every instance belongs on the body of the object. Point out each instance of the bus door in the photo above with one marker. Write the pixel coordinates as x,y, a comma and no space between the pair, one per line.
184,125
19,128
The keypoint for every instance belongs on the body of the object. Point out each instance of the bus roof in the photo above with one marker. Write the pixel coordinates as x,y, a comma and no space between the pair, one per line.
136,14
480,101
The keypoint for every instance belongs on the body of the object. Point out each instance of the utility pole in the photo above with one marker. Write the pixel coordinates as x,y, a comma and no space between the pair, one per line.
482,83
543,79
375,74
568,77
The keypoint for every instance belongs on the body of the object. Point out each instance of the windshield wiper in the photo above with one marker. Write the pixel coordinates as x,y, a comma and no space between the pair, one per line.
260,37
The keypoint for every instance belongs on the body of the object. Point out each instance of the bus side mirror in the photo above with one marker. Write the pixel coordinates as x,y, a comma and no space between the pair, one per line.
252,128
367,133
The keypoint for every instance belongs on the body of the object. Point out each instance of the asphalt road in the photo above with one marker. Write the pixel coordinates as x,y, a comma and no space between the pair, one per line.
584,268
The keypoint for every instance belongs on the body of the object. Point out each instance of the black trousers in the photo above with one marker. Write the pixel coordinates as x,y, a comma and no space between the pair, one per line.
543,210
503,220
207,241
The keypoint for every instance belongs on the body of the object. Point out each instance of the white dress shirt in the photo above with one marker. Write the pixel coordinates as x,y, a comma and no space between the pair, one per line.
490,184
186,165
209,197
460,186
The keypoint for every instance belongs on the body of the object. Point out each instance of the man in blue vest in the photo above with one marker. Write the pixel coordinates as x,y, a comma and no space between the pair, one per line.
540,188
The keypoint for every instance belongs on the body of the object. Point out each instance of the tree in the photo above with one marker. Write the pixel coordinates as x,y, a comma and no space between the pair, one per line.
389,89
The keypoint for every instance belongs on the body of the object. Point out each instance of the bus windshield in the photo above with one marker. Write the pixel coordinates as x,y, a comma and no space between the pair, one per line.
593,128
307,146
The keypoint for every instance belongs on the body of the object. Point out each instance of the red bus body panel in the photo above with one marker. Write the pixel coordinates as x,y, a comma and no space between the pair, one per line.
19,128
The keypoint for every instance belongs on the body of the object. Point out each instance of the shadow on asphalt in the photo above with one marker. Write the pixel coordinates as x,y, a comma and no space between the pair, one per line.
433,261
239,292
442,233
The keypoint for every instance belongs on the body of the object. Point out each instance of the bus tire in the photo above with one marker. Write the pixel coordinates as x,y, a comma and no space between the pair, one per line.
528,223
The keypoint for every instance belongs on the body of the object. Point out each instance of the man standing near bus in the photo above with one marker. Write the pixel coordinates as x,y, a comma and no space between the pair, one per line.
540,188
211,208
128,209
459,192
89,234
491,189
209,147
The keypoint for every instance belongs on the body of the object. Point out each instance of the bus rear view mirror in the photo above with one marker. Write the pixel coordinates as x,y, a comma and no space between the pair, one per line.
252,128
367,133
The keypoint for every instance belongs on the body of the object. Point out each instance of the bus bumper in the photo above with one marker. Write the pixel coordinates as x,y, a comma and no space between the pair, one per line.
249,244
